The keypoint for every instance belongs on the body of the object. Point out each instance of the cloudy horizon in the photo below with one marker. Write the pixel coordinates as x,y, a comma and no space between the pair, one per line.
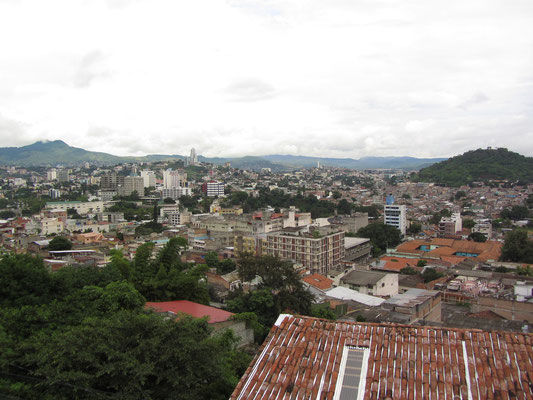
248,77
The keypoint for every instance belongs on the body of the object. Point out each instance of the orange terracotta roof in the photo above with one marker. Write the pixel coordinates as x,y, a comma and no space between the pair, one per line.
397,263
442,242
454,260
319,281
441,251
301,359
411,246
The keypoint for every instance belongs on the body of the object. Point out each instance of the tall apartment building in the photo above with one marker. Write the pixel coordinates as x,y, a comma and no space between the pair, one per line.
318,254
175,193
63,175
111,181
132,184
212,188
172,178
148,178
396,215
450,226
193,158
51,175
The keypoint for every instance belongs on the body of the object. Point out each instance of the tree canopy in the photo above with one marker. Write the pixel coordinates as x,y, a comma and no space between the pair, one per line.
517,247
59,243
381,236
83,333
480,165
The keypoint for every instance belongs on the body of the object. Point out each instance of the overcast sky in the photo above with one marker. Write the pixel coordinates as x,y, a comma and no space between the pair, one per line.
336,78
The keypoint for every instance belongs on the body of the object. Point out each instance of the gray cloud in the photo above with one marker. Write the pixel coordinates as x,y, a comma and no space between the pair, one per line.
251,89
89,69
14,132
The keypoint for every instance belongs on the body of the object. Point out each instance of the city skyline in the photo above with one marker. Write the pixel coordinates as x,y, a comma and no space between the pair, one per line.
246,77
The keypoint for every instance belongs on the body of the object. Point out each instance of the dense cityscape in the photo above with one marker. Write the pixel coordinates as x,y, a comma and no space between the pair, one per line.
95,252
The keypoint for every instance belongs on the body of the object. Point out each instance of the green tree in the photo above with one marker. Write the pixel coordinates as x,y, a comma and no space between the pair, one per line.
414,228
517,247
7,214
430,274
280,290
468,223
381,236
344,207
408,271
477,237
24,280
59,243
515,213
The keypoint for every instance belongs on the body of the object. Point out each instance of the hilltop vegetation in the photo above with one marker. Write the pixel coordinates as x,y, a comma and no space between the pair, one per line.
480,165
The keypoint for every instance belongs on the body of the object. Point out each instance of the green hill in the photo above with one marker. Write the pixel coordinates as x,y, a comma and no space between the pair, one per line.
480,166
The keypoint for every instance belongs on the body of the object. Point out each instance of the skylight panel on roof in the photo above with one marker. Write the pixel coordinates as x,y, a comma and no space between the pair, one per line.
352,374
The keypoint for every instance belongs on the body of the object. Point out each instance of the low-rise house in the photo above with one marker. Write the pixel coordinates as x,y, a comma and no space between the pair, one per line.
318,281
373,283
419,304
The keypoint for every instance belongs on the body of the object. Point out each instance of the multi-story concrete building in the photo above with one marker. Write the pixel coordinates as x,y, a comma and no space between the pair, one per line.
484,227
212,188
450,226
396,215
51,175
316,253
175,193
82,207
174,178
132,184
63,175
149,178
50,226
111,181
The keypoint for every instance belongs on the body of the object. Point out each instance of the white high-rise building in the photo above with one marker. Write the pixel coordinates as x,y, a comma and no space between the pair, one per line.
193,158
396,215
51,175
149,178
173,179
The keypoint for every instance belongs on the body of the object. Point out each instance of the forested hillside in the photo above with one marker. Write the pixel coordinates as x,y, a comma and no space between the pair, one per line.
480,165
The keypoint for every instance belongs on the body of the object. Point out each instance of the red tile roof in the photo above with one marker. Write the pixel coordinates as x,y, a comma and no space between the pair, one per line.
319,281
194,309
396,264
301,359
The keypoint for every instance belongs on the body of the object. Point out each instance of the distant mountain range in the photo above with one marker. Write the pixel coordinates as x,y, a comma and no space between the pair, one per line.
480,166
51,153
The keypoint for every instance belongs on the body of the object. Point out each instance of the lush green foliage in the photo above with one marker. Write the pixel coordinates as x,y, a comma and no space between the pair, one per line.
477,237
515,213
82,333
430,274
131,210
414,229
435,218
408,271
381,236
163,277
517,247
59,243
480,165
280,290
148,228
468,223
